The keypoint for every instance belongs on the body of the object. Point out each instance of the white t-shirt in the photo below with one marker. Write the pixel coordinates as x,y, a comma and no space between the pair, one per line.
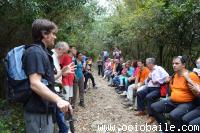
158,74
56,63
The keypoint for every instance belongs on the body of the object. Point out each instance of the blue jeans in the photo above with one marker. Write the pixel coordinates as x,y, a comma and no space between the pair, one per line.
176,112
60,118
192,117
150,94
116,80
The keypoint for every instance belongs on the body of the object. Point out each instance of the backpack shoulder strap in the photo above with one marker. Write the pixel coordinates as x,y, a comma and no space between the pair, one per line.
32,45
196,74
75,62
172,78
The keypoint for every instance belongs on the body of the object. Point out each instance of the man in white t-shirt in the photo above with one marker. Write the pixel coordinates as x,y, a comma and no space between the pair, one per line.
58,51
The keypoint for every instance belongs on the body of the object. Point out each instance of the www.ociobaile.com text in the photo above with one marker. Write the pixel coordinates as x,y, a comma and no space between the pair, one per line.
144,128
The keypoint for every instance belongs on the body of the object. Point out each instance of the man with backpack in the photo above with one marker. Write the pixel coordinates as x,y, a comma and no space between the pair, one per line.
39,67
181,99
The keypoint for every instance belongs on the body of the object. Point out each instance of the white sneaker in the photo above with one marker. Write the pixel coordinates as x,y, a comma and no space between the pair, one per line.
123,94
130,108
126,100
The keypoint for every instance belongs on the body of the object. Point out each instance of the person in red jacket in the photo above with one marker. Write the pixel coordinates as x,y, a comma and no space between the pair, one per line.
67,79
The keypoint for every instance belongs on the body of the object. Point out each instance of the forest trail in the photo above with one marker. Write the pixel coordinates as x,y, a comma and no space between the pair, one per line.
104,108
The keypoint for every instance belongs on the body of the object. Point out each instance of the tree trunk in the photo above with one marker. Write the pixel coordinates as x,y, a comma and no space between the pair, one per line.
138,50
161,55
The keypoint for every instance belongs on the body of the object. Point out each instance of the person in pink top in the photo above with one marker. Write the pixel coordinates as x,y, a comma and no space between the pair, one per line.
68,79
108,68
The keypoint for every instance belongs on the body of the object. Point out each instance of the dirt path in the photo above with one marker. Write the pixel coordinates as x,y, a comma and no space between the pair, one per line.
103,107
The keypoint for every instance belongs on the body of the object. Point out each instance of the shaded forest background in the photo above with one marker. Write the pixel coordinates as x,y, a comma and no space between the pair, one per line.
140,28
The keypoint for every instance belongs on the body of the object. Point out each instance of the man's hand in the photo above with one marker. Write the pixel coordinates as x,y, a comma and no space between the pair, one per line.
64,106
195,88
131,78
168,79
149,78
68,69
187,77
136,86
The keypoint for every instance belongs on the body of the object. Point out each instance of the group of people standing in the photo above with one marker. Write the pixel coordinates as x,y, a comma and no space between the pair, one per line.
68,84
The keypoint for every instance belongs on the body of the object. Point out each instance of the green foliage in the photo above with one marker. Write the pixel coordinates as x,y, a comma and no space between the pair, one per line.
156,28
11,118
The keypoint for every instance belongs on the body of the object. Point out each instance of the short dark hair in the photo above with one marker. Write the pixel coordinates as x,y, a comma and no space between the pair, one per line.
183,59
134,64
78,53
40,26
141,60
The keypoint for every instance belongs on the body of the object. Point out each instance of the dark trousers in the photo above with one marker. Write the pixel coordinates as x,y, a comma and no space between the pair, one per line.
75,88
81,89
103,68
100,70
150,94
88,76
176,112
116,81
193,117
